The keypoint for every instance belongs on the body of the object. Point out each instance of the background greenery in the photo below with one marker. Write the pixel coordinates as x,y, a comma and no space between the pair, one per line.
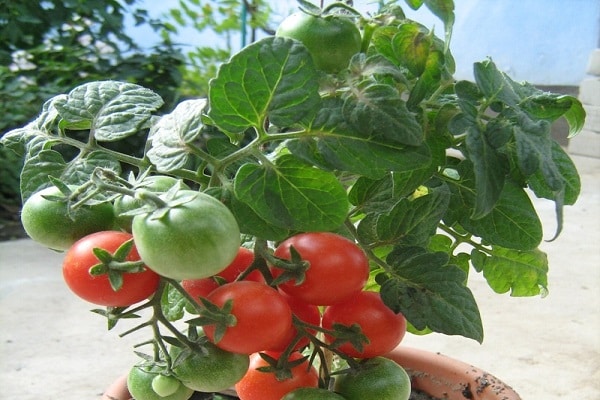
49,47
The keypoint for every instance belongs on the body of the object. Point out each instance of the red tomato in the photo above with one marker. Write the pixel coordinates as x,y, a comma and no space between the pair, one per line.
263,317
240,263
384,328
338,267
198,288
258,385
80,258
308,313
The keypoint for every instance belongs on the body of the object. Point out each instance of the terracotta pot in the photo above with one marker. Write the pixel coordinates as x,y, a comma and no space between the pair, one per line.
449,379
433,373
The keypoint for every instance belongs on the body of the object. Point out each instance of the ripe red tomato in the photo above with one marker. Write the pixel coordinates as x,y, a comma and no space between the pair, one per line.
258,385
384,328
198,288
240,263
80,258
262,317
305,312
338,267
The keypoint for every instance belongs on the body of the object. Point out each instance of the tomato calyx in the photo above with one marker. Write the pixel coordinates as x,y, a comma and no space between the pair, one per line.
352,334
281,366
116,264
220,317
293,269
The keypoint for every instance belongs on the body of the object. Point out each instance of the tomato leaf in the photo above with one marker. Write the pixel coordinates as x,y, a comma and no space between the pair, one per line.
272,78
488,170
293,195
444,10
512,223
408,222
339,146
112,110
430,293
524,273
173,135
411,45
378,110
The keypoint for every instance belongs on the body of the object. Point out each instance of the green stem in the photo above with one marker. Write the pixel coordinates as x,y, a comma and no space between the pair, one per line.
350,226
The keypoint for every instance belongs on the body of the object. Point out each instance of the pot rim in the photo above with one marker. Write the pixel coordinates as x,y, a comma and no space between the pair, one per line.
448,378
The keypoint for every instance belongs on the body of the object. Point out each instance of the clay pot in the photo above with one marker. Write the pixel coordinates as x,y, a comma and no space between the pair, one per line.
446,378
433,373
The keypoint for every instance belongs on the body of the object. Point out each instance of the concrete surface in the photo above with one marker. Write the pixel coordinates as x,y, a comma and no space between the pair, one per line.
53,347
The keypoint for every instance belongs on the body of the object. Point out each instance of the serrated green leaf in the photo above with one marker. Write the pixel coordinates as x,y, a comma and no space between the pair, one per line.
488,170
251,223
513,223
523,273
112,110
494,84
378,110
171,135
430,293
36,169
337,146
575,117
411,45
568,173
444,10
409,222
292,195
272,78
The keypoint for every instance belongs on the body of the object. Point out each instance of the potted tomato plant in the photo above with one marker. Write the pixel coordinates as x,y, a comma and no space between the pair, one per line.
332,192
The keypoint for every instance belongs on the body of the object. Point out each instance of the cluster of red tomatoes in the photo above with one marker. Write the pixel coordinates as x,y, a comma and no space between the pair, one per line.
281,321
257,321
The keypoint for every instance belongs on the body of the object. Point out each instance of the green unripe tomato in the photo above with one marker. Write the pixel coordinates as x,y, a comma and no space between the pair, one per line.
379,378
140,383
193,240
212,371
331,40
164,385
48,223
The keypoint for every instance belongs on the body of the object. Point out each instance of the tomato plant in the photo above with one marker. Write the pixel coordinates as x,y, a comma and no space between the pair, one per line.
141,382
383,328
209,370
196,238
265,385
51,223
370,167
377,378
331,40
110,284
258,317
337,267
